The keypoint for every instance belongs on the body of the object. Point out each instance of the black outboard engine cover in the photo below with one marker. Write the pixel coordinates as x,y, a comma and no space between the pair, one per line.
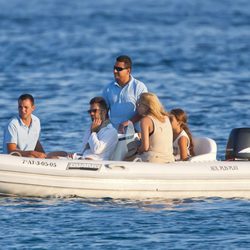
238,145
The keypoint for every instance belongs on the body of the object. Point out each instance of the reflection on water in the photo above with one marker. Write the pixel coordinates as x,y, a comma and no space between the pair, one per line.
47,223
152,205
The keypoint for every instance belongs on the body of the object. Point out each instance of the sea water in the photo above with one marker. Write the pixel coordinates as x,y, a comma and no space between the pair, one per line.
193,54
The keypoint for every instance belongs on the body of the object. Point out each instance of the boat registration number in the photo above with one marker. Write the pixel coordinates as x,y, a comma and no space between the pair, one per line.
39,163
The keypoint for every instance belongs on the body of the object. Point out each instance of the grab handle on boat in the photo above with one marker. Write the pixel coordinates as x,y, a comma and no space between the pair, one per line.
15,153
115,166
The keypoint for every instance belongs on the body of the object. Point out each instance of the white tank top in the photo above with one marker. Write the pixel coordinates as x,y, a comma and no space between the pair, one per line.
176,145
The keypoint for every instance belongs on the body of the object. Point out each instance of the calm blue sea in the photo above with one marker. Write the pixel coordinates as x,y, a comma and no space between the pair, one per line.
194,54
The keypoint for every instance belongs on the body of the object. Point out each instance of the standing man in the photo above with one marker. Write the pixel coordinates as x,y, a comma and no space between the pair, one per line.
22,133
122,94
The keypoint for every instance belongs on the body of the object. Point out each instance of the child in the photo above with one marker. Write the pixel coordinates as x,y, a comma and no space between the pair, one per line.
183,143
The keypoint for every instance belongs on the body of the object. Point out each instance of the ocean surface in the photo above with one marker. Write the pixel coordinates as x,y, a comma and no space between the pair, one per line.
193,54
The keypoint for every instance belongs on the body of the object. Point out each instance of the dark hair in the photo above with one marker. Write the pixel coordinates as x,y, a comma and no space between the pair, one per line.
25,97
126,59
101,101
182,118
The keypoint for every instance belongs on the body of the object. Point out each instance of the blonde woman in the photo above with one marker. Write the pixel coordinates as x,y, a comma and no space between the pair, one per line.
156,131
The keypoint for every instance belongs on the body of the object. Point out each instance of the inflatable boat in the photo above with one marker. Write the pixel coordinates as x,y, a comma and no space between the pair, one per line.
202,176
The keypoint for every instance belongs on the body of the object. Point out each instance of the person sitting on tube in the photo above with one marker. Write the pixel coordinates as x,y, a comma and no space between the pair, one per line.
21,134
100,139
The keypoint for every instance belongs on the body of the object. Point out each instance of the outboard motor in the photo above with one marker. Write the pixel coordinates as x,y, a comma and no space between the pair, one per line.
238,145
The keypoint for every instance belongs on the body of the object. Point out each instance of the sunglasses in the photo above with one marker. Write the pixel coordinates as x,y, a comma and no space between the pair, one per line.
92,110
119,68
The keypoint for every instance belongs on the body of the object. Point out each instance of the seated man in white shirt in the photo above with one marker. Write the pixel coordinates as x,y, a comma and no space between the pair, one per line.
21,134
100,139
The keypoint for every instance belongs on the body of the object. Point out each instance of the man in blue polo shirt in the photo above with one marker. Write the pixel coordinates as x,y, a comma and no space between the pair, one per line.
22,133
122,94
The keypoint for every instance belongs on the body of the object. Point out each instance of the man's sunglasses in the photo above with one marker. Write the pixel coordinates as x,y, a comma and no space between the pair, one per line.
92,111
119,68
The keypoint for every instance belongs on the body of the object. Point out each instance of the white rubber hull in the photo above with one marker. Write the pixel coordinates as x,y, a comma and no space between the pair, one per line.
44,177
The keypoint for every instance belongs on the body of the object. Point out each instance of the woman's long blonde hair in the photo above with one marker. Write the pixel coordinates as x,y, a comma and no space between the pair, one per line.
155,108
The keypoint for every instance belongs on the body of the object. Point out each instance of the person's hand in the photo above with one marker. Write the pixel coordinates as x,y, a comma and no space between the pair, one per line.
96,123
37,154
122,126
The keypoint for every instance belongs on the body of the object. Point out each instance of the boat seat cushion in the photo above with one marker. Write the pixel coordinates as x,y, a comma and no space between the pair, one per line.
124,146
205,149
